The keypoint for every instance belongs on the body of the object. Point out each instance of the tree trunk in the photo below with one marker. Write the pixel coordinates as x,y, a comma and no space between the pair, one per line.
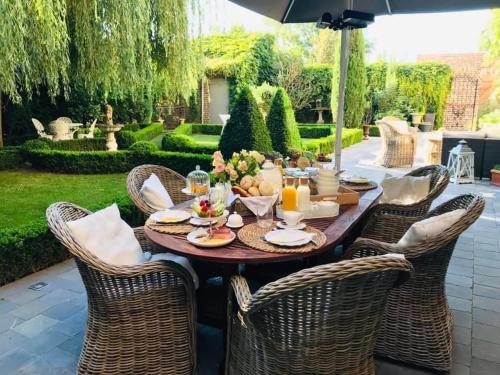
1,127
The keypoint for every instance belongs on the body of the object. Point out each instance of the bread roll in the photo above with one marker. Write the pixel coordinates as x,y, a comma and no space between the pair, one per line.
254,191
246,182
239,190
257,181
266,188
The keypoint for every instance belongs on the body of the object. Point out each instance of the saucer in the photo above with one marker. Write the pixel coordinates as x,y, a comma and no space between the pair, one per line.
235,226
284,225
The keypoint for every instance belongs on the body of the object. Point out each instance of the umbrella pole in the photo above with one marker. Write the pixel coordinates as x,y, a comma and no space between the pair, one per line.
344,60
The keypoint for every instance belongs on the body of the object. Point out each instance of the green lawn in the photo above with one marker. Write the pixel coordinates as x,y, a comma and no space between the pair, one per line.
26,194
206,140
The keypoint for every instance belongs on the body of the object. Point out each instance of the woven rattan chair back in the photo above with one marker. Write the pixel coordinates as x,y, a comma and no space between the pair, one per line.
321,320
417,323
398,149
141,319
171,180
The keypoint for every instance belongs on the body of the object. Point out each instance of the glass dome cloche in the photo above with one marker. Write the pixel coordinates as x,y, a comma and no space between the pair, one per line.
198,182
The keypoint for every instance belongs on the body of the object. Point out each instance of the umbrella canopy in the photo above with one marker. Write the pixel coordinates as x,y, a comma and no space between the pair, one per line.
296,11
302,11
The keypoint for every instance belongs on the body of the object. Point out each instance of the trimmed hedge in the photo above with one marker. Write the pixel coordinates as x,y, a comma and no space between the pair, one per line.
32,247
89,162
315,131
374,131
126,138
184,143
144,147
208,129
10,158
94,144
326,144
186,129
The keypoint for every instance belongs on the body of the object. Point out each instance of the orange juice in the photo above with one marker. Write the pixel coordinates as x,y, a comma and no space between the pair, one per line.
289,195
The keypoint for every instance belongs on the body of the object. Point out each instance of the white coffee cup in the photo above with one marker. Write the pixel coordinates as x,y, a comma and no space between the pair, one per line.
292,218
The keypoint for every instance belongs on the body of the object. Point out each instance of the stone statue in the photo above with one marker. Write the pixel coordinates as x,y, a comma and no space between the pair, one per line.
108,112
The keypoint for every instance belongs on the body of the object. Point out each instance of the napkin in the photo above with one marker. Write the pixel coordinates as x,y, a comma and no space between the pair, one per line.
259,205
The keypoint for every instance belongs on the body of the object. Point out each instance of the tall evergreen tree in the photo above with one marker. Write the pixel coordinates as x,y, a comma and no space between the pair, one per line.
281,123
356,83
246,128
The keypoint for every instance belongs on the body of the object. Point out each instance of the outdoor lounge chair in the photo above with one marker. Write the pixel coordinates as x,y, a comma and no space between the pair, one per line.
399,142
383,215
141,319
417,323
171,180
322,320
40,130
90,133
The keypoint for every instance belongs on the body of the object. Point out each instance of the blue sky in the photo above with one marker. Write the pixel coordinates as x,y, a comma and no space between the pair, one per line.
396,38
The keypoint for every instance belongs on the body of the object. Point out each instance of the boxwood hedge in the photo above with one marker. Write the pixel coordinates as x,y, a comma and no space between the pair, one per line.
184,143
315,131
126,138
32,247
10,158
326,144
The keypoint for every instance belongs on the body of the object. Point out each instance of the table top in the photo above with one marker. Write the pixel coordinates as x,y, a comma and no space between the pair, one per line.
335,229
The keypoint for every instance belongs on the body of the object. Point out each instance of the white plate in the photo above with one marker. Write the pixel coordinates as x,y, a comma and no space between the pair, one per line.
201,223
191,237
288,237
235,226
357,180
176,215
284,225
208,219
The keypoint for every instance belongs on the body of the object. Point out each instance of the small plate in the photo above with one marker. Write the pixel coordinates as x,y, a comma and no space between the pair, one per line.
284,225
208,219
196,221
192,238
235,226
288,237
170,216
357,180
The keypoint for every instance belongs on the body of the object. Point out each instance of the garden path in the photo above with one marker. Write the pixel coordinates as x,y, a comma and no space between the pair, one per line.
41,331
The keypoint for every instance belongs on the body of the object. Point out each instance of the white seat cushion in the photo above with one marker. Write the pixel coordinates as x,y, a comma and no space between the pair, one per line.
400,126
492,131
155,194
108,237
405,190
425,230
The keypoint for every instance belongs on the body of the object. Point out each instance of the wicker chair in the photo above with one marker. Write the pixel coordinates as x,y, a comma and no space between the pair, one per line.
141,319
172,181
321,320
399,148
417,323
386,215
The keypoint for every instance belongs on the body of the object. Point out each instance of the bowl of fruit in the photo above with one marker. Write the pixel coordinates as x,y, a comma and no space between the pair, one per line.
207,212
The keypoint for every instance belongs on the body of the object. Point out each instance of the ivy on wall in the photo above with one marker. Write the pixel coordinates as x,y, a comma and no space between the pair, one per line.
425,87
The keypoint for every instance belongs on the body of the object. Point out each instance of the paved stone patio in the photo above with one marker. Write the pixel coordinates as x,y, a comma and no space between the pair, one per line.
41,331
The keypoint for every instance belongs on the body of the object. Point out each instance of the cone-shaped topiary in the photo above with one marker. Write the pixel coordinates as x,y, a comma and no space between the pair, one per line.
246,128
281,123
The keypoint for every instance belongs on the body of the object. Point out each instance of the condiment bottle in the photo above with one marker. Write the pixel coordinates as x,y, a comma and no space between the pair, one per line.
272,174
278,163
289,195
304,195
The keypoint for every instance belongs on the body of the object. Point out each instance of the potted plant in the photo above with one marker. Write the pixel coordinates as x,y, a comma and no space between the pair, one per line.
430,116
495,175
416,117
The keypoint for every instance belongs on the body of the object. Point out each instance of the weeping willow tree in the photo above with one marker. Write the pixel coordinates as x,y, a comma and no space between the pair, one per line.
113,48
33,48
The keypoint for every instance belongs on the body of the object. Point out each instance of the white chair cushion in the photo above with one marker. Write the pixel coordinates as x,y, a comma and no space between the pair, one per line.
492,131
405,190
184,262
155,194
425,230
108,237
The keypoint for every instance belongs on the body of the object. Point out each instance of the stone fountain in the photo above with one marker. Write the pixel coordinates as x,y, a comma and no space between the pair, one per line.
320,109
110,129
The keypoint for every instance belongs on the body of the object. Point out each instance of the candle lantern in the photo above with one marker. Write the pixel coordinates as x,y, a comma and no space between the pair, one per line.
461,164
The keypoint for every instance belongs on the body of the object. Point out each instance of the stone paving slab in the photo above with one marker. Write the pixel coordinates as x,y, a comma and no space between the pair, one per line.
41,332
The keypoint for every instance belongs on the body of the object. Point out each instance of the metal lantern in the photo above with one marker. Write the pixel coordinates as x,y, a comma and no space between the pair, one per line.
461,164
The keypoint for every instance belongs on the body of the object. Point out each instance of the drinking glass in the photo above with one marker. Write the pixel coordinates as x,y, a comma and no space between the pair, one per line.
265,218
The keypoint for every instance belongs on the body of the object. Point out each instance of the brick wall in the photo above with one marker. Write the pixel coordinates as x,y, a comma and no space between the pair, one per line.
468,90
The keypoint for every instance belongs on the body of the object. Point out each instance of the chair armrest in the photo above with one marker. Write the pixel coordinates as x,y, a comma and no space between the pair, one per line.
242,293
364,247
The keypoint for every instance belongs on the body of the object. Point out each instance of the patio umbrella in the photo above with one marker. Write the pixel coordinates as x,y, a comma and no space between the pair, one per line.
300,11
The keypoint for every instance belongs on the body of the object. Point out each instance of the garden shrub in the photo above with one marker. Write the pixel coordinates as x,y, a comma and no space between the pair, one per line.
246,128
92,144
374,131
32,247
184,143
91,162
37,144
315,131
208,129
264,95
131,127
186,129
143,147
355,90
424,86
326,144
10,158
281,123
125,138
